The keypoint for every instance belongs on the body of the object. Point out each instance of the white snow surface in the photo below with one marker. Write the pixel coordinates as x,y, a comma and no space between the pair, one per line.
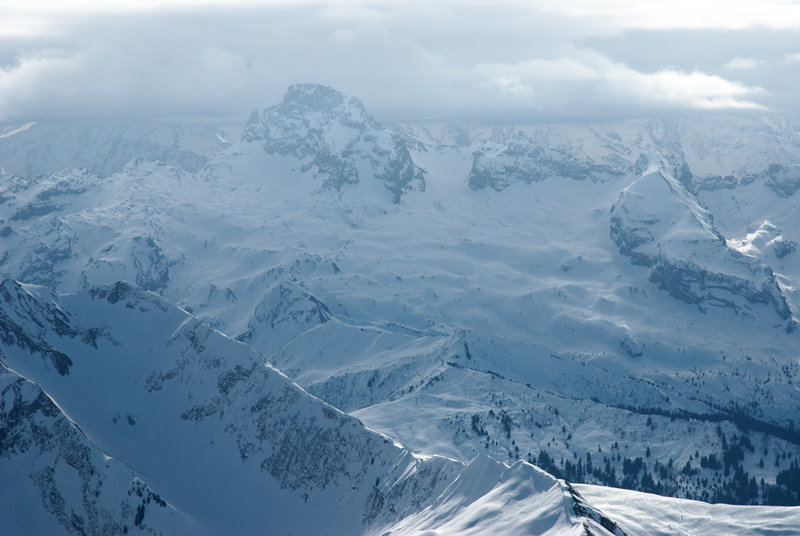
652,515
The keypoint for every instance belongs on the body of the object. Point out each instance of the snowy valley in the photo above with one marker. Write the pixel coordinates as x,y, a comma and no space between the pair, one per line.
332,325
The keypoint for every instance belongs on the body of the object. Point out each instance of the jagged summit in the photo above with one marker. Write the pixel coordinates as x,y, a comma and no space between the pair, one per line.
317,97
336,140
314,106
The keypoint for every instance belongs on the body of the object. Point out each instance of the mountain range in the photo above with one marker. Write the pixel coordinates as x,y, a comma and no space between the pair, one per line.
340,326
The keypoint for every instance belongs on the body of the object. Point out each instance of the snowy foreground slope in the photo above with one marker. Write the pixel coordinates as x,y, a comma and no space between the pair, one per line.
159,422
616,303
643,513
170,427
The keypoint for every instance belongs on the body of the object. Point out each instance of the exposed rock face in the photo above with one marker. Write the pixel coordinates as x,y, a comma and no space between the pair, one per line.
783,179
26,320
658,223
337,139
80,490
522,160
150,264
56,240
50,224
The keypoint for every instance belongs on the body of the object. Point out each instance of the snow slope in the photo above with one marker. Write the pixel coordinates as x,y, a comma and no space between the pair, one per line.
651,515
229,443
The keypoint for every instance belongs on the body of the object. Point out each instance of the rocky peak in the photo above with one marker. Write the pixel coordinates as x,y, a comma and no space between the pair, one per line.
308,110
318,98
658,223
337,140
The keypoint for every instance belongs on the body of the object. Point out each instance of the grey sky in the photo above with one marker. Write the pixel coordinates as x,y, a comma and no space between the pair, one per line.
552,59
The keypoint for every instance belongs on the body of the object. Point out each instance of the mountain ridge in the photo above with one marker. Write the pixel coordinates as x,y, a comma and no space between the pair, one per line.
404,483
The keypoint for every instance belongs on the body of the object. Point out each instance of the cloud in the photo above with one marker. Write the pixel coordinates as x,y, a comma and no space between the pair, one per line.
743,63
618,15
206,58
601,15
690,90
104,79
510,84
792,58
588,80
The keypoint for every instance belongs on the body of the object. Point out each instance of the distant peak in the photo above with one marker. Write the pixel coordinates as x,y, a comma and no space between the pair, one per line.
317,97
309,103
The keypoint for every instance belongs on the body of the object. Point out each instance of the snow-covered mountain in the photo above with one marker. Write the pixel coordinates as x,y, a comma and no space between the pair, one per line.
616,303
40,148
521,159
689,258
334,136
146,397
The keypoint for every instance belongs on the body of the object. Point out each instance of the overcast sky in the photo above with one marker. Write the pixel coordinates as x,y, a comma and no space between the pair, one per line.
409,58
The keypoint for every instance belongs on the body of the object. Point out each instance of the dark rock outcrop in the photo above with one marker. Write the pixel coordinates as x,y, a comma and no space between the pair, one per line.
657,223
337,139
523,160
